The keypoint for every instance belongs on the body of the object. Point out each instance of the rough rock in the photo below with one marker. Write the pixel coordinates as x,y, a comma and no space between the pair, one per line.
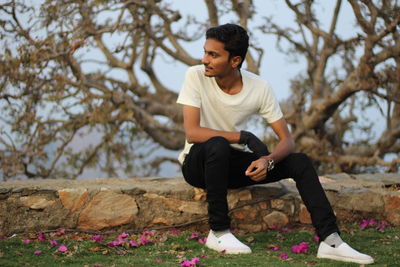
73,199
276,220
37,202
107,209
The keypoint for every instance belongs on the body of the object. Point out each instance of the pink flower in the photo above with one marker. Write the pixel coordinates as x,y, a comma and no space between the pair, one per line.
202,240
41,237
316,238
312,263
62,248
365,223
150,233
133,244
37,252
158,260
300,248
60,232
97,238
175,232
286,230
275,248
53,243
27,241
382,225
114,243
190,263
284,256
144,238
123,235
194,236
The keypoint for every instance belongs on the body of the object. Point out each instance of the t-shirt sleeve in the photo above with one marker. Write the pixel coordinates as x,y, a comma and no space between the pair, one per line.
190,94
270,109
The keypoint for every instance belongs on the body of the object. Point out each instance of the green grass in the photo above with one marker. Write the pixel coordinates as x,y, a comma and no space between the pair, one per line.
171,250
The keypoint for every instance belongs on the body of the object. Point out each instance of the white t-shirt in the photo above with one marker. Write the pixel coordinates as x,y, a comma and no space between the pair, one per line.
225,112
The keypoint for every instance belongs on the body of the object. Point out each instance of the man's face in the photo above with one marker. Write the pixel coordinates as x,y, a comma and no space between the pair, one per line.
216,59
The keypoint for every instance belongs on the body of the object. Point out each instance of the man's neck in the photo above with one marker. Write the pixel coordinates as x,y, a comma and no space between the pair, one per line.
231,83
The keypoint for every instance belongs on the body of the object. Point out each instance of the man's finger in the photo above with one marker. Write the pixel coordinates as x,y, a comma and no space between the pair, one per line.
250,170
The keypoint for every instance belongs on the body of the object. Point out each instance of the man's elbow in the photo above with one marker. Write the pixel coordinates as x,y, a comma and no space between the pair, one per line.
191,137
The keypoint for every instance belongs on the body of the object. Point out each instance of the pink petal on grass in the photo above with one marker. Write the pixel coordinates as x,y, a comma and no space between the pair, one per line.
203,240
286,230
371,222
41,237
194,236
382,225
312,263
133,244
60,232
27,241
190,263
114,243
53,243
158,260
97,238
123,235
144,240
300,248
62,248
175,232
316,238
150,233
37,252
284,256
363,223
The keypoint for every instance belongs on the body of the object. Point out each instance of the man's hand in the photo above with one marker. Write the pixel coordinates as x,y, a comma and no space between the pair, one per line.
255,144
257,171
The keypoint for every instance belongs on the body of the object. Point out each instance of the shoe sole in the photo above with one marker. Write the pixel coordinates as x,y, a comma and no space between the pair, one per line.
228,252
346,259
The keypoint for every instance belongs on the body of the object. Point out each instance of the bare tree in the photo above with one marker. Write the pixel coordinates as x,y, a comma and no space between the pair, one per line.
327,104
74,69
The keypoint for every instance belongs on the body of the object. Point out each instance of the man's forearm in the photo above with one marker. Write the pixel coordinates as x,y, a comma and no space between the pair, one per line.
282,150
202,134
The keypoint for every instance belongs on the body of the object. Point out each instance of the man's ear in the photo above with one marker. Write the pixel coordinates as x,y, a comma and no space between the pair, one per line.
236,60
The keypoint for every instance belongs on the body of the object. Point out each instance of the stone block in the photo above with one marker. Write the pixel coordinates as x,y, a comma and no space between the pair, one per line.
277,204
37,202
199,194
192,207
107,209
73,199
244,195
362,199
393,218
276,220
246,213
392,203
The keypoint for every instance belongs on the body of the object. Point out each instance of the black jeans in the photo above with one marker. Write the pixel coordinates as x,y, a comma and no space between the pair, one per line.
215,166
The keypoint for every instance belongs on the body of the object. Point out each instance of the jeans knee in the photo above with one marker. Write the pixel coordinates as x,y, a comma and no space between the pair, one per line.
300,163
218,145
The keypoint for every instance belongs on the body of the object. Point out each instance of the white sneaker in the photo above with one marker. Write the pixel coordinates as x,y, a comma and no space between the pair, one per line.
343,253
227,243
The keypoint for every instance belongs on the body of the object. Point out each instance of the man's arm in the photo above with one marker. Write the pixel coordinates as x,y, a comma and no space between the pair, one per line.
257,169
196,134
286,142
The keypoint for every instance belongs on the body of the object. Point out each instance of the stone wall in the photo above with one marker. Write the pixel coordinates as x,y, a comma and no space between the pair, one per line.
143,203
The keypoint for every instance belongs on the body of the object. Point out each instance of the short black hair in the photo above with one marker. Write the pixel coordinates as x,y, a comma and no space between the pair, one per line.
234,37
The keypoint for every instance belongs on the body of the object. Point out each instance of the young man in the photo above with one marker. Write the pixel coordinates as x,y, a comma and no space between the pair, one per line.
218,98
